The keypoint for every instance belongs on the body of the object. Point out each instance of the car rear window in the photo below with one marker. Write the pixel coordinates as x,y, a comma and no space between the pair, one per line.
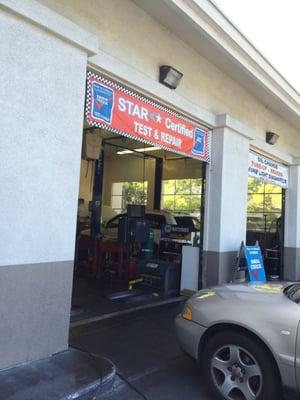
114,222
188,222
293,292
156,221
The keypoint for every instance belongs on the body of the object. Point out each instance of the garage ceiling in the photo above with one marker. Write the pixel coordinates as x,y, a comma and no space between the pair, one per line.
120,143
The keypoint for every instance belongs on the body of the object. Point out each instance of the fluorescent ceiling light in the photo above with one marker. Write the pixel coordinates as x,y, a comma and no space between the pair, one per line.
139,150
124,152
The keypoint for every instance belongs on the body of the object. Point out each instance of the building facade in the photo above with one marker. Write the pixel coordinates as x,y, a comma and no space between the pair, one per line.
47,46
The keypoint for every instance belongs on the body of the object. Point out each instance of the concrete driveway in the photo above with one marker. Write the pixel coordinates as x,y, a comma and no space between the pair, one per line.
149,362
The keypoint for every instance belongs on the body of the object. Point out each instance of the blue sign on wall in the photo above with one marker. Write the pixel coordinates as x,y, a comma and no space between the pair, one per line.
199,142
255,264
103,102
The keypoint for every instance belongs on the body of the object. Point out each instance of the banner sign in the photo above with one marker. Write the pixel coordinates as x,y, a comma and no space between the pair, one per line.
255,264
268,170
115,108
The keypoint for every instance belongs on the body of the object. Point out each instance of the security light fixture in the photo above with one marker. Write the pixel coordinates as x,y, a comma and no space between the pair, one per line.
271,137
169,76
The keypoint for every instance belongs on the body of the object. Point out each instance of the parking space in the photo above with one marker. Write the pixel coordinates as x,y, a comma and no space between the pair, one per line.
144,349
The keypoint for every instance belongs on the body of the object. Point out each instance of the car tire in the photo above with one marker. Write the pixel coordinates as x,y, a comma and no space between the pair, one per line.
237,366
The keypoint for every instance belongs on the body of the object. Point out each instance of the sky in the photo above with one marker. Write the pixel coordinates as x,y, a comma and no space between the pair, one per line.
273,27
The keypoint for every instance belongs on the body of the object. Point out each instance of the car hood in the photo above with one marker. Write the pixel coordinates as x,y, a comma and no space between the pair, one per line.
236,302
245,289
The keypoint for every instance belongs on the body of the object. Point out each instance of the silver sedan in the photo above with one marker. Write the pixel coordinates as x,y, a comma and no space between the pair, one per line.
246,339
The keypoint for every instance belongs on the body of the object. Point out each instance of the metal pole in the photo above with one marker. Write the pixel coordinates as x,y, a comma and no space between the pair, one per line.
202,208
97,195
159,163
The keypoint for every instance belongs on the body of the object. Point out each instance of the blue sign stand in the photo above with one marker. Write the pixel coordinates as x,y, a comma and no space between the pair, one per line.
255,264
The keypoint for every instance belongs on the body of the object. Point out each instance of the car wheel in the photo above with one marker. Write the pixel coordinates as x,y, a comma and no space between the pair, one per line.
237,367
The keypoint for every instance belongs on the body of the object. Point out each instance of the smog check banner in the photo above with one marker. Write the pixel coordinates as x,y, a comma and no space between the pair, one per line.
119,110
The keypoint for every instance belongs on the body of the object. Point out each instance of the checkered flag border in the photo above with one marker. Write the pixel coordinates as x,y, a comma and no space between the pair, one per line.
136,95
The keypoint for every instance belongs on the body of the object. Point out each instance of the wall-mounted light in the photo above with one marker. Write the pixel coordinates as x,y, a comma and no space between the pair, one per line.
169,76
271,137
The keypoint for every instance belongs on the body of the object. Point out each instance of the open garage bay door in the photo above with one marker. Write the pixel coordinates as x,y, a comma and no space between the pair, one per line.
120,110
268,180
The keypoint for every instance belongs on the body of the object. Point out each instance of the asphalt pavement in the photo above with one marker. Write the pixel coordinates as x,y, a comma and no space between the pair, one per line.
143,347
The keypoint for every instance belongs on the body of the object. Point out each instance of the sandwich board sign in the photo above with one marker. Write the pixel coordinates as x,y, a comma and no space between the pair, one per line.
255,264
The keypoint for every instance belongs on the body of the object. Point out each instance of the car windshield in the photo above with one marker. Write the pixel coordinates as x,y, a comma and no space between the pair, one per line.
293,292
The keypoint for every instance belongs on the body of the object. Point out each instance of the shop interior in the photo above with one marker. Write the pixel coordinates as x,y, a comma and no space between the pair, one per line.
140,211
265,224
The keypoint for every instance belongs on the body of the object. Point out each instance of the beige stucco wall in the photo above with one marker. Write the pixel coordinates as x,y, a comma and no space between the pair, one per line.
41,133
130,35
40,146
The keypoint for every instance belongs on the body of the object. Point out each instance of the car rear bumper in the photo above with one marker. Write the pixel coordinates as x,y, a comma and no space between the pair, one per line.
189,334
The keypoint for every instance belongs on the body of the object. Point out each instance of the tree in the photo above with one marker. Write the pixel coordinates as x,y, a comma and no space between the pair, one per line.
182,195
134,193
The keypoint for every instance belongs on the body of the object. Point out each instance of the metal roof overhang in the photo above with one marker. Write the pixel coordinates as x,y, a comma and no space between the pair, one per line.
201,25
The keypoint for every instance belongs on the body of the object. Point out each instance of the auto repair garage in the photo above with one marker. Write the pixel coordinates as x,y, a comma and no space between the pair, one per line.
54,43
141,202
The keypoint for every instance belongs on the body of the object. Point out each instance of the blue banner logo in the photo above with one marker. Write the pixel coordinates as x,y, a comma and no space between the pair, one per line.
199,142
103,102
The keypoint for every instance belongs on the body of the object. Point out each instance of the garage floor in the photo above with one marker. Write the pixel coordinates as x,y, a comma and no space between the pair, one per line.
149,362
91,298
